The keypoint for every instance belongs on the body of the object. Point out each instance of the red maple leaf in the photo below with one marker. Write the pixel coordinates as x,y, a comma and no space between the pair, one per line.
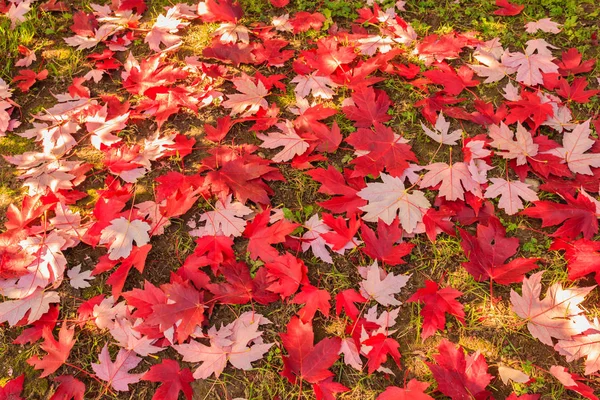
370,106
453,82
326,389
239,287
285,274
572,382
218,133
310,116
58,350
262,236
386,151
179,202
77,88
244,179
272,52
571,63
152,76
33,334
216,249
172,379
459,376
185,310
328,57
576,92
441,47
342,234
546,164
143,300
303,21
414,390
168,102
137,259
231,53
488,252
220,11
485,114
437,304
333,183
69,388
183,146
381,347
306,361
436,102
138,5
31,209
28,78
345,301
313,299
507,8
583,257
437,221
279,3
382,247
328,139
84,24
577,217
530,108
12,389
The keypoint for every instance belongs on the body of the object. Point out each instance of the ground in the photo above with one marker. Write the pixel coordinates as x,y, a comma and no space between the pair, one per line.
490,326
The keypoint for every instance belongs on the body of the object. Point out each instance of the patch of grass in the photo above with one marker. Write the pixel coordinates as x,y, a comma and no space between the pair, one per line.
63,61
10,39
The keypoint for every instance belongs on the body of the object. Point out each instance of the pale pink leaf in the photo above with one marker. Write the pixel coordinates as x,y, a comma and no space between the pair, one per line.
213,358
563,375
511,193
164,29
102,130
544,25
455,179
293,144
530,65
556,316
490,68
441,134
4,116
312,238
369,45
585,345
390,199
508,374
232,33
16,12
574,147
239,342
319,86
130,339
121,233
226,219
117,374
382,287
251,99
516,146
79,279
351,353
37,304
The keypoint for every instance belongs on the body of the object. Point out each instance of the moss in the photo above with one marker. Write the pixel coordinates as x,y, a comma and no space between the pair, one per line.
12,144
